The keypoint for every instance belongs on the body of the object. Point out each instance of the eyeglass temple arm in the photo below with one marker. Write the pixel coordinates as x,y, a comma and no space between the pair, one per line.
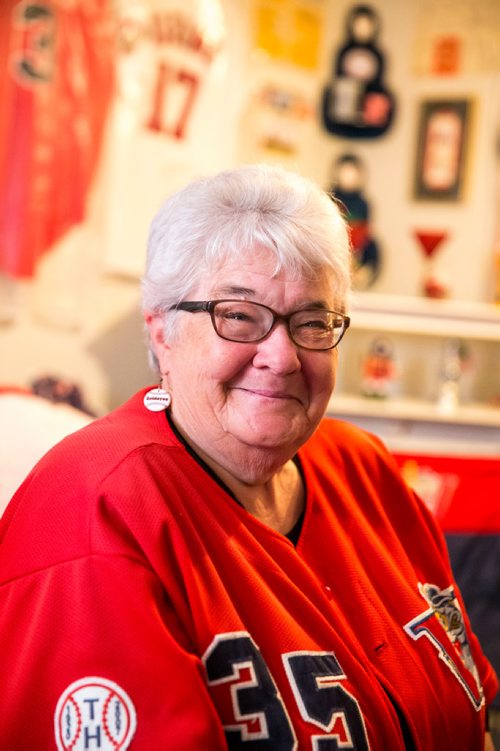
191,307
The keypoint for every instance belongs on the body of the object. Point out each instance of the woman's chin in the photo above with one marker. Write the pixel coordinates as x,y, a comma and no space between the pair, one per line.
273,431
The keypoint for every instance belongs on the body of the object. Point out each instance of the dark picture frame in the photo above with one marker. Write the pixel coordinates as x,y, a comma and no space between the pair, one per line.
442,149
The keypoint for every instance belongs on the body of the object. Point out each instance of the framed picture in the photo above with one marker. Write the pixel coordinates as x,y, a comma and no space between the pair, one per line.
442,144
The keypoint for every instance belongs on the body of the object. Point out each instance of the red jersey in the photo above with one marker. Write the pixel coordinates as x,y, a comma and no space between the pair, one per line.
143,607
56,82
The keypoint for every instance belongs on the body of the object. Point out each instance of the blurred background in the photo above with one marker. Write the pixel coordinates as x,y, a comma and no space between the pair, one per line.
107,107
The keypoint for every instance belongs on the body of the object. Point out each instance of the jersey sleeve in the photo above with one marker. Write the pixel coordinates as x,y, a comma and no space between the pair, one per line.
91,648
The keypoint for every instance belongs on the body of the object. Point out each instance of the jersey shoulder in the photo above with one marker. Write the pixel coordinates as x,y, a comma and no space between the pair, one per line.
343,456
65,497
96,449
344,442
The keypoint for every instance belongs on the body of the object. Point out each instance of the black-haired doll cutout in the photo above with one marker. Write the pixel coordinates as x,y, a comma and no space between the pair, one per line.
347,187
356,104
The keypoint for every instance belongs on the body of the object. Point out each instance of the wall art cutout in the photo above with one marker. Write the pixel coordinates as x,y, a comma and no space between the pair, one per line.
347,187
357,104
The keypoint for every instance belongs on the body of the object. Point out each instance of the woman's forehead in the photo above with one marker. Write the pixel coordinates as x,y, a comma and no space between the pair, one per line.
254,281
261,262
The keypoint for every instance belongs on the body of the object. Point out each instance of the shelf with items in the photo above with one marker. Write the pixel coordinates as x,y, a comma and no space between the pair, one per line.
418,315
420,410
447,363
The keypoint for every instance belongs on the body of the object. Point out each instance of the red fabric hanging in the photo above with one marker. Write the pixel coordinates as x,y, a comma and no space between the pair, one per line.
56,82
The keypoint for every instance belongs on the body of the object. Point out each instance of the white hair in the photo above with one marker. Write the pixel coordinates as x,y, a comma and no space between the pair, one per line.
215,219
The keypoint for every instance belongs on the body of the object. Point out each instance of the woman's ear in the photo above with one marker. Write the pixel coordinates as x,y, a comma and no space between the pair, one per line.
155,326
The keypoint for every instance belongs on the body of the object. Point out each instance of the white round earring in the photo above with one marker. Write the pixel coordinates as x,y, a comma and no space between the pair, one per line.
157,399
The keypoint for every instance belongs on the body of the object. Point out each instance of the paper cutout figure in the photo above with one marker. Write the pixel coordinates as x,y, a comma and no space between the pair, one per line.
357,104
347,188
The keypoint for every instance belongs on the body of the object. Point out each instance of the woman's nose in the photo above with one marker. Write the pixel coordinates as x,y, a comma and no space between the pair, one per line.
277,351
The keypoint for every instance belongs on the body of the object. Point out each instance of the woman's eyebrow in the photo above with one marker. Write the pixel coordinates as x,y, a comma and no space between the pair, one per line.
234,290
238,291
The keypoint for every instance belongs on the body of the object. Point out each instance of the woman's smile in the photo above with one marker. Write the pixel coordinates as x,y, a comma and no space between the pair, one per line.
268,393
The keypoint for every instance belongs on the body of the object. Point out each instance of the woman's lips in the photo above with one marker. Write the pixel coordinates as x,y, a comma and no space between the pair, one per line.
267,393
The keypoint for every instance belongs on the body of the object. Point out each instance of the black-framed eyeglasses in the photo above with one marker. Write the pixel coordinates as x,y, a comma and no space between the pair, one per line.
245,321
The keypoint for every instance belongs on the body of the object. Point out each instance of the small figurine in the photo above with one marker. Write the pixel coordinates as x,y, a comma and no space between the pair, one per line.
454,363
379,370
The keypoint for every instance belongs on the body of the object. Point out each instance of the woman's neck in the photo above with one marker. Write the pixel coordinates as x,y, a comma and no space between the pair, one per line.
277,502
266,482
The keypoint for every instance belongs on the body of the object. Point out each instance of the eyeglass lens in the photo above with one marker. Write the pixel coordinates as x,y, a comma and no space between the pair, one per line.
244,321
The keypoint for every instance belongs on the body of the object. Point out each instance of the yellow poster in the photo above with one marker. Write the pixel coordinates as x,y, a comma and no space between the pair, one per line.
290,30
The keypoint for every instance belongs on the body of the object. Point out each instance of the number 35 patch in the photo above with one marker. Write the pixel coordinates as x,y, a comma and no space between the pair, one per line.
94,713
258,712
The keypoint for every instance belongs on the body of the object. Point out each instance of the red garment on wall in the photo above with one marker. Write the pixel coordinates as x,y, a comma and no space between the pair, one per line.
462,492
56,80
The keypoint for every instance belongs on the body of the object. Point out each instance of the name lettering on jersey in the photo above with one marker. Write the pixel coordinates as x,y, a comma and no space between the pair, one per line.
444,613
253,712
166,28
94,714
179,49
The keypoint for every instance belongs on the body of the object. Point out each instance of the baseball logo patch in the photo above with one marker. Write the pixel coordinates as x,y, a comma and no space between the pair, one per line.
94,713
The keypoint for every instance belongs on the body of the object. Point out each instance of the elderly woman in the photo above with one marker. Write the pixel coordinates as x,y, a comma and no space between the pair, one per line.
214,565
